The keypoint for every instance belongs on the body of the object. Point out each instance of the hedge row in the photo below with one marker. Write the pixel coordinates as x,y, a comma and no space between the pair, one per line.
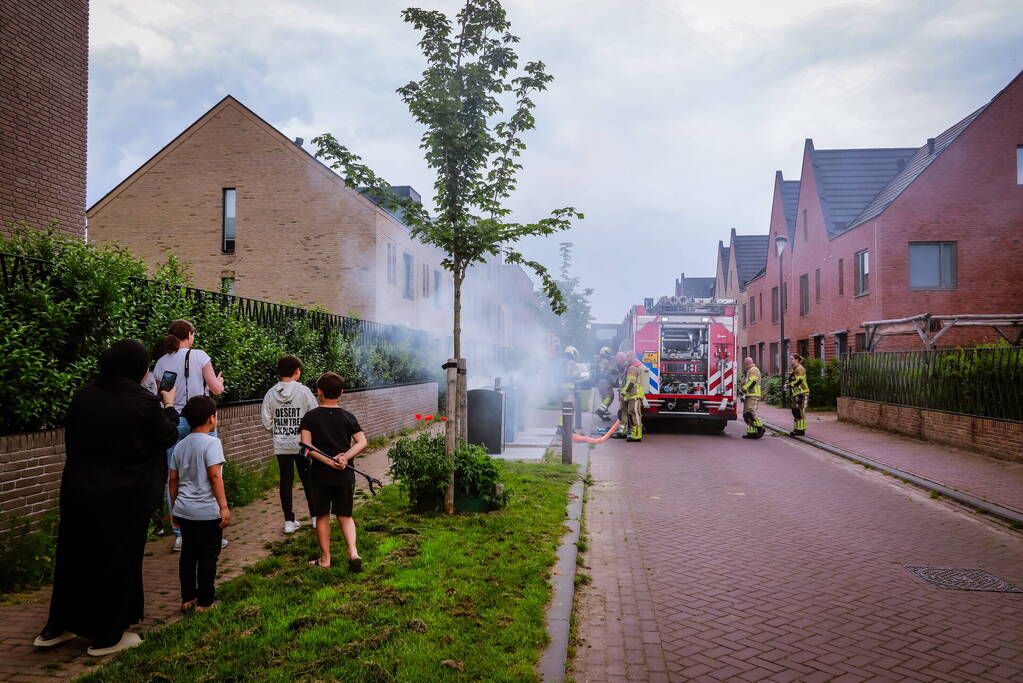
56,319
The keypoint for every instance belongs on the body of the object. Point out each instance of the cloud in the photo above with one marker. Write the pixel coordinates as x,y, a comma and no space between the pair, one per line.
665,122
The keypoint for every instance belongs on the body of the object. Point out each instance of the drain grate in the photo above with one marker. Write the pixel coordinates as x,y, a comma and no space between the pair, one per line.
964,579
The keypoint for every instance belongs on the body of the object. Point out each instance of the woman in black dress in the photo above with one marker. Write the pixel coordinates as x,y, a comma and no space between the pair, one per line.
116,439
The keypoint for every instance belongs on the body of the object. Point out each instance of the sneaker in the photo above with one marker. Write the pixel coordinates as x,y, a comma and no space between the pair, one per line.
314,523
750,436
48,638
177,543
291,527
223,543
128,639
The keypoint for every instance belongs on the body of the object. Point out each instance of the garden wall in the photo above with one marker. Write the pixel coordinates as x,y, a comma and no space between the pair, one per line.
1000,438
31,464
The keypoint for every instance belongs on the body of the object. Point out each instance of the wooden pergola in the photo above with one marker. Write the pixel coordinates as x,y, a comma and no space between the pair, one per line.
931,328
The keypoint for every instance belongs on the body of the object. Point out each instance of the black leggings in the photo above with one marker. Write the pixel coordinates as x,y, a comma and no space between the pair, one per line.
200,548
288,480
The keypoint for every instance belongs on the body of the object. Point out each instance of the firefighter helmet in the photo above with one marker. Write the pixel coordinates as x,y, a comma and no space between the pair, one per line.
572,352
605,352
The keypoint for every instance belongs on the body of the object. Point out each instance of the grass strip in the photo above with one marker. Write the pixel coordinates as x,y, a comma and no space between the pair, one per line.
440,599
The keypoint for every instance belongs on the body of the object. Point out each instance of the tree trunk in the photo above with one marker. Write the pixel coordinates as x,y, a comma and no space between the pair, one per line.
454,405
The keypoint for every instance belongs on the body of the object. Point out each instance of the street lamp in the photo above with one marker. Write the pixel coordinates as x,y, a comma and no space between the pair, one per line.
779,244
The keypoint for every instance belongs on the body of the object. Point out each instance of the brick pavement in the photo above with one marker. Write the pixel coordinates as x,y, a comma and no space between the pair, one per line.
253,527
997,481
714,558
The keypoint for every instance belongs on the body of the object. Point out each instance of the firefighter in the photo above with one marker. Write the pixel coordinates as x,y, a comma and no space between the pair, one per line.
799,391
606,375
621,365
570,378
632,393
750,395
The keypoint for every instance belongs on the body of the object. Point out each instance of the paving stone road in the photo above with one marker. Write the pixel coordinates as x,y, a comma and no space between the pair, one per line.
716,558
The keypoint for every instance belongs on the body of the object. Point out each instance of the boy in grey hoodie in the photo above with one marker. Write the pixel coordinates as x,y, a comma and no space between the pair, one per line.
283,408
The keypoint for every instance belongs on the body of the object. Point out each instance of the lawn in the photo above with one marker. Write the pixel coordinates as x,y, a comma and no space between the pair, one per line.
440,598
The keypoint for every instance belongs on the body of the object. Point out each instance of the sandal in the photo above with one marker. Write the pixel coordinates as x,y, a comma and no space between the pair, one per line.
316,563
355,564
187,607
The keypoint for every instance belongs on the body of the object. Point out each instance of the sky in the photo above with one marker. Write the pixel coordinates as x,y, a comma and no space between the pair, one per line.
665,122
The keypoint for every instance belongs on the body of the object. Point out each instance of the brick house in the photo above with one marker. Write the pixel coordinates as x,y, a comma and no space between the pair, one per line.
43,111
254,213
876,234
738,263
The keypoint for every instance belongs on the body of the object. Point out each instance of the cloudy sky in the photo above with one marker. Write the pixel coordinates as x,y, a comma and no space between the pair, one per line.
665,122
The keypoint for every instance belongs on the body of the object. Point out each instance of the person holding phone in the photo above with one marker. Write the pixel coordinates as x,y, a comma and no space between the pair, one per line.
194,376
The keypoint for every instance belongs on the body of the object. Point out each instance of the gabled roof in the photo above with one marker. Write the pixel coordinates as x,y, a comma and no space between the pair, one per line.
698,287
849,179
916,165
750,256
790,203
723,260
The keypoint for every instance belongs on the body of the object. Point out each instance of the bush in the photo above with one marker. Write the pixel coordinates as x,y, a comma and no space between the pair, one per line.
26,557
477,476
824,385
421,469
63,311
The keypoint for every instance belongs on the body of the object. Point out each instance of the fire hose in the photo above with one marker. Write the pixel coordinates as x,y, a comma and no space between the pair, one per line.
602,439
372,481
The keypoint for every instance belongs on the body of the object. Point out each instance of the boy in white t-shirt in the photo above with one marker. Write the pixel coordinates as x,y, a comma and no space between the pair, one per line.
199,503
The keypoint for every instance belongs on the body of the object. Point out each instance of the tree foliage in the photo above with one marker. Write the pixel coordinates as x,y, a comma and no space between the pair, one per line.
472,73
573,325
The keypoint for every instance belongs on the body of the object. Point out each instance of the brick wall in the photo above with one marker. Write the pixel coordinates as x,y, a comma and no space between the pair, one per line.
43,108
31,464
999,438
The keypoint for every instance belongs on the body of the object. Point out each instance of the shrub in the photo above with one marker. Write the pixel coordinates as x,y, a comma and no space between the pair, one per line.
26,557
477,476
421,469
822,378
77,299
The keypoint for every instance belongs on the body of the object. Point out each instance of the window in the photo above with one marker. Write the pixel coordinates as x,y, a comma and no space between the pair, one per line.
760,351
408,292
804,295
775,367
760,313
774,304
841,278
227,285
805,232
861,341
436,289
803,346
932,265
817,285
228,228
841,344
1019,164
392,263
744,315
752,309
426,281
862,274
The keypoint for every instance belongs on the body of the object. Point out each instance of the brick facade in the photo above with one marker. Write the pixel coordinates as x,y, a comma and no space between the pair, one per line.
43,109
301,235
968,194
998,438
31,464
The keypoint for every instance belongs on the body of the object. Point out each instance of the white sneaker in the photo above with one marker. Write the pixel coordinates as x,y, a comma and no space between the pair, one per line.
223,543
291,527
40,641
314,522
177,543
128,639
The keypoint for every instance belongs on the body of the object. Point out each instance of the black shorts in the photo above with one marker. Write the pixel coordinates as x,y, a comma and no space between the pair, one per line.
326,500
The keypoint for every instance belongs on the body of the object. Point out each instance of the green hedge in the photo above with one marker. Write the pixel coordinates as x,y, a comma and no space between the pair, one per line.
59,316
822,378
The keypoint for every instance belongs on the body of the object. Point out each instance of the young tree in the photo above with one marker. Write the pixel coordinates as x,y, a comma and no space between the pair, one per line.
474,150
573,325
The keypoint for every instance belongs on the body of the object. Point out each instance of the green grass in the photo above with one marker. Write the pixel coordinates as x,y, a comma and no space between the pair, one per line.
468,590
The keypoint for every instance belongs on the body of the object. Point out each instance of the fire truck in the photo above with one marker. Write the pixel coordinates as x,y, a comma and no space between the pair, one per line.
688,349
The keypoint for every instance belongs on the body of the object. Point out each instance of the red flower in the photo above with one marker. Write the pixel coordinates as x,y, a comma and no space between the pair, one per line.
429,417
418,416
444,419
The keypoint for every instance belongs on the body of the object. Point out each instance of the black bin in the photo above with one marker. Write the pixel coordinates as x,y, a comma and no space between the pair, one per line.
486,419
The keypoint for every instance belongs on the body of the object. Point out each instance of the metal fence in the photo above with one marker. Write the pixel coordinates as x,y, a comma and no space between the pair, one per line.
17,270
983,382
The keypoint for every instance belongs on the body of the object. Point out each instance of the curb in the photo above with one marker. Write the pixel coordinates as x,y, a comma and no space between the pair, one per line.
1003,513
554,659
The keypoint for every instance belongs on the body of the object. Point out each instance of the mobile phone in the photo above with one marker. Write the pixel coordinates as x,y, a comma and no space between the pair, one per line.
168,380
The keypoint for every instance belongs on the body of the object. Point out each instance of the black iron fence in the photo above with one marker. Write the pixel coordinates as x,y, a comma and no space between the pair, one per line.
983,382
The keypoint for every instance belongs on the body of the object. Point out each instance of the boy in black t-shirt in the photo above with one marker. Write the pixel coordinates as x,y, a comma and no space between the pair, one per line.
331,485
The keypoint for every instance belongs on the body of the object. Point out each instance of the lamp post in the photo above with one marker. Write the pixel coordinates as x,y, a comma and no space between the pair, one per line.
779,244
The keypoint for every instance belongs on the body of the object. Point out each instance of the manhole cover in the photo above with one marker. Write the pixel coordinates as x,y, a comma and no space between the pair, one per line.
964,579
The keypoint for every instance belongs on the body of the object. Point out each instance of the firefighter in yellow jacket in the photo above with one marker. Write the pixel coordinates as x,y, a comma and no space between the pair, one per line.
750,395
799,391
632,393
